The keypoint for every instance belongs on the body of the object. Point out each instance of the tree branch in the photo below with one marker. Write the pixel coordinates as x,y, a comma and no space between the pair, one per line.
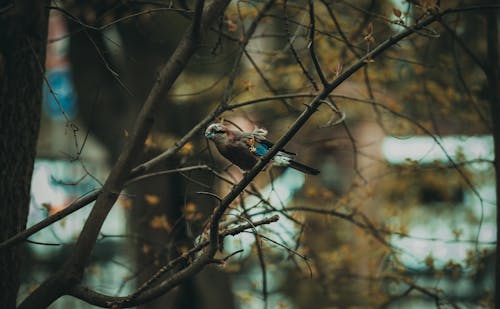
198,14
292,49
72,271
312,49
74,206
147,291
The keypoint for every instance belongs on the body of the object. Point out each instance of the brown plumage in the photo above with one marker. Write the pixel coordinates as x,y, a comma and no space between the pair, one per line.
244,149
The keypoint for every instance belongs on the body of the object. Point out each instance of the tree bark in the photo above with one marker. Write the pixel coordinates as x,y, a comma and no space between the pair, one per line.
23,41
494,96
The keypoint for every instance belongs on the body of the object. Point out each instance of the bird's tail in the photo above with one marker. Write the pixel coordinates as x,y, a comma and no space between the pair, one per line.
303,168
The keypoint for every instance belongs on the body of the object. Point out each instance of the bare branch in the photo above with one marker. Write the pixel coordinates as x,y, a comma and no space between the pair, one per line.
312,49
147,291
464,46
161,173
347,43
294,52
74,206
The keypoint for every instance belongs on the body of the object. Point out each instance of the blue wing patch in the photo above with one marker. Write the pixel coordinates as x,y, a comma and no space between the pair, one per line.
261,149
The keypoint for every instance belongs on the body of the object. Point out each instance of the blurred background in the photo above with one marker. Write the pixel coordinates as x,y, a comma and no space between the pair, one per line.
401,216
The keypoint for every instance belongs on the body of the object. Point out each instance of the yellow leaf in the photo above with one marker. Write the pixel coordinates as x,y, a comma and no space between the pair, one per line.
160,222
126,203
149,142
187,149
191,212
152,199
183,249
311,192
190,207
247,85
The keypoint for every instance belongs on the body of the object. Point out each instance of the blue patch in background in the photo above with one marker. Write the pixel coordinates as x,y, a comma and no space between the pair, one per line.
61,83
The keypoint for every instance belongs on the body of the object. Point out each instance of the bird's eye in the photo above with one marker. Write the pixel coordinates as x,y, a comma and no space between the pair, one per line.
219,132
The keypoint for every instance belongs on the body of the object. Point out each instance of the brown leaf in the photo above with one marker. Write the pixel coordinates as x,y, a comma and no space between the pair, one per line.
149,142
190,207
369,29
126,203
396,12
191,212
187,149
160,222
152,199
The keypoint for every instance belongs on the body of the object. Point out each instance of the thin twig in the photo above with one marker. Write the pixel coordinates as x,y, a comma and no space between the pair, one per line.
312,49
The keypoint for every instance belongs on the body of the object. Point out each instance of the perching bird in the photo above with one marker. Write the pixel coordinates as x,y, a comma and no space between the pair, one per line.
244,148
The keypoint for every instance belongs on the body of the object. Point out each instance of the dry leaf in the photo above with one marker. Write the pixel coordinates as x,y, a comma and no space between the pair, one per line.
183,249
160,222
149,142
152,199
396,12
248,85
190,207
187,149
311,192
191,212
126,203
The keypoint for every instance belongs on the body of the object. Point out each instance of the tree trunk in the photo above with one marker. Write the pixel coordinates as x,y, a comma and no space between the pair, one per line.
494,96
23,25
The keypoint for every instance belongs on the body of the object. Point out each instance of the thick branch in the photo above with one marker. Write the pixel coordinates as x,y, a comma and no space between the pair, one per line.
198,15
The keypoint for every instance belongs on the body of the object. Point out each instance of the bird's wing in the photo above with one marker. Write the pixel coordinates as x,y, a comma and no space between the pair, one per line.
259,145
270,144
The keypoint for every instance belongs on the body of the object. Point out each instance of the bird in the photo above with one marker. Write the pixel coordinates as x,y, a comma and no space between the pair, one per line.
245,148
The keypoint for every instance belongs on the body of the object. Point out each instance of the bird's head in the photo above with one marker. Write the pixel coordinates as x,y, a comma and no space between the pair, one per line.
216,131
